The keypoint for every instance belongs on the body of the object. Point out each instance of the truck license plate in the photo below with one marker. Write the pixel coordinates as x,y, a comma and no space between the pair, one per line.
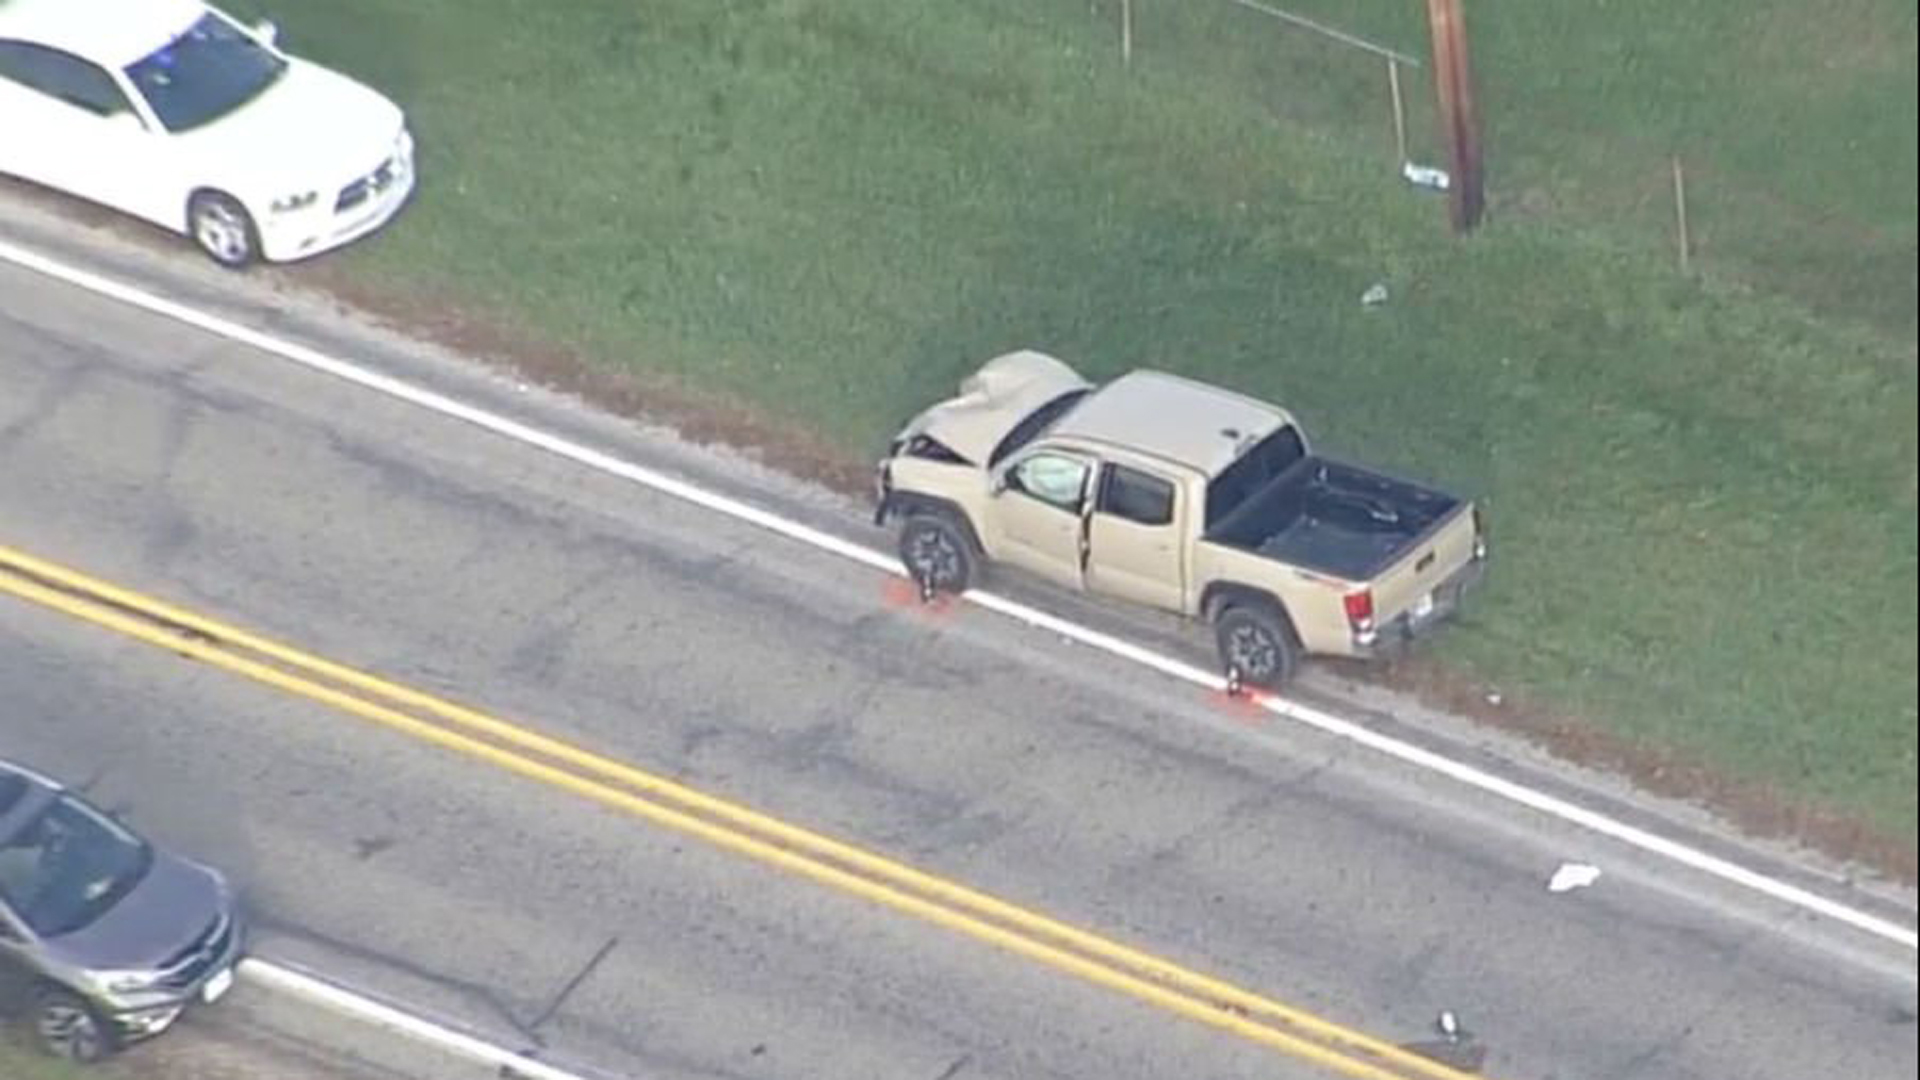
217,987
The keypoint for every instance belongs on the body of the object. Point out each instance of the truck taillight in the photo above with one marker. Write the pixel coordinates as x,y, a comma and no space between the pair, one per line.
1359,609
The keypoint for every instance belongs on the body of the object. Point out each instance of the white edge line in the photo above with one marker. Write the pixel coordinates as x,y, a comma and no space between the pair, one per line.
330,995
1406,752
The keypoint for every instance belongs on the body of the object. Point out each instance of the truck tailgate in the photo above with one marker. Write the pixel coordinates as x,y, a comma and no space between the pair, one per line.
1406,586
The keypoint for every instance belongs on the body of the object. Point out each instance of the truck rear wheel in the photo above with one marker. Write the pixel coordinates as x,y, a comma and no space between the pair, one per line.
936,553
1258,643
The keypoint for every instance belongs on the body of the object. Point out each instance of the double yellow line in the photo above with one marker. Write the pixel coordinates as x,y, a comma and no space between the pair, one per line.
722,823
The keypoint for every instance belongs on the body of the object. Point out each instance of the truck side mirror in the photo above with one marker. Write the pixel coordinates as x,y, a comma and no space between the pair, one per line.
267,31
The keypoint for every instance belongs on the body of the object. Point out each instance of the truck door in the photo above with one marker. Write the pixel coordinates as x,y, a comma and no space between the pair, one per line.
1134,542
1039,509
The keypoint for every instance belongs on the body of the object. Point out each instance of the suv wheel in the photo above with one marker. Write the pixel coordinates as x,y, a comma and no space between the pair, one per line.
68,1027
1259,644
936,553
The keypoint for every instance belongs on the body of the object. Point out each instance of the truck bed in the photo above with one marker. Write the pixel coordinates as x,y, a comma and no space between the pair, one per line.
1333,518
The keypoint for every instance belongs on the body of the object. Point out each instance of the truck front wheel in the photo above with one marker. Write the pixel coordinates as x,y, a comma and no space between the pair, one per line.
1259,644
936,553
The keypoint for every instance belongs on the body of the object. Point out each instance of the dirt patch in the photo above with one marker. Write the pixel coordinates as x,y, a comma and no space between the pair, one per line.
710,419
19,1060
697,415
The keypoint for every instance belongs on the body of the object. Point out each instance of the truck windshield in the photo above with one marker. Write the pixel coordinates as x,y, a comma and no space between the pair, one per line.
1034,423
1252,471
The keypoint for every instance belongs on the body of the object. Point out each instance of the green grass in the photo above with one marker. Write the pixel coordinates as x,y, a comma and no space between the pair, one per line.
1704,491
1796,124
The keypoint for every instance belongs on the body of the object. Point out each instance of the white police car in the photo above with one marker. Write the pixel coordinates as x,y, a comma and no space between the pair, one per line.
175,112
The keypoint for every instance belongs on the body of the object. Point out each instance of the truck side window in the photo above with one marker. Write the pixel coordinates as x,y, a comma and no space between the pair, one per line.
1136,496
1052,478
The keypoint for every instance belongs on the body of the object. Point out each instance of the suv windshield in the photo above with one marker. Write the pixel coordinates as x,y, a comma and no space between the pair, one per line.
204,74
66,866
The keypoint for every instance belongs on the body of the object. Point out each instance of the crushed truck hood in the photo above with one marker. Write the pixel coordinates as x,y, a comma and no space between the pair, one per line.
992,400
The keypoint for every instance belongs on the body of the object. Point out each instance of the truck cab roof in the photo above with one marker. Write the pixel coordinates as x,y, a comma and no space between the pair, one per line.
1187,423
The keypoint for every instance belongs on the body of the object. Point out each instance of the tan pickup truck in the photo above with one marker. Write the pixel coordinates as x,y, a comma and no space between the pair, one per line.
1170,493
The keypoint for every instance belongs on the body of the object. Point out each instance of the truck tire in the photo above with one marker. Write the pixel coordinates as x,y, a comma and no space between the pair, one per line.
937,553
1259,642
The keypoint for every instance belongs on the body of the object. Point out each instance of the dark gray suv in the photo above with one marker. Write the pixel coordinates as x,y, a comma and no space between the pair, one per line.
108,938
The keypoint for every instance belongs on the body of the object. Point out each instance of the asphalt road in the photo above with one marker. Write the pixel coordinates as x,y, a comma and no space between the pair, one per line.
446,558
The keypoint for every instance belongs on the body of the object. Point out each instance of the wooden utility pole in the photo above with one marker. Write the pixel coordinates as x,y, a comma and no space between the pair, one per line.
1459,123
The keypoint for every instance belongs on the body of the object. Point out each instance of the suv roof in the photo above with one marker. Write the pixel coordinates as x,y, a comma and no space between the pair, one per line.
1189,423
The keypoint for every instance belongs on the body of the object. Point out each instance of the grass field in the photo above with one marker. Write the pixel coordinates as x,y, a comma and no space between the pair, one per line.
1704,491
1795,123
